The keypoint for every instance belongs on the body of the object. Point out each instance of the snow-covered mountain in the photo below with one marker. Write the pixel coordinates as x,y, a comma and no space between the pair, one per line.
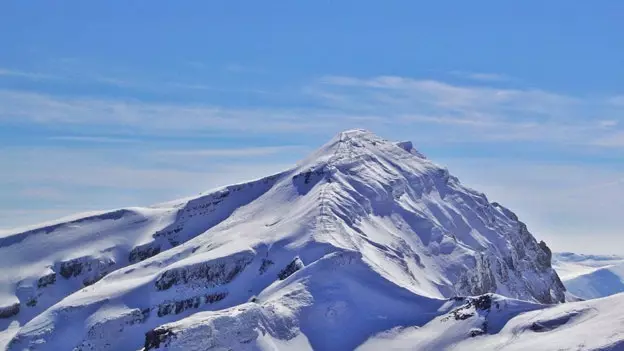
362,237
497,323
590,276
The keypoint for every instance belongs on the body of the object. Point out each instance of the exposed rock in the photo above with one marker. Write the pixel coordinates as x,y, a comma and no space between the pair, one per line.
266,263
208,274
292,267
93,269
143,252
155,337
46,280
177,307
472,306
71,269
10,310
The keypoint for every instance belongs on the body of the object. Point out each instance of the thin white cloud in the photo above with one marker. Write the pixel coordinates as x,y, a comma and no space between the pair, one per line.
93,139
28,75
617,100
191,86
234,152
614,140
43,192
481,76
473,113
238,68
26,107
608,123
460,113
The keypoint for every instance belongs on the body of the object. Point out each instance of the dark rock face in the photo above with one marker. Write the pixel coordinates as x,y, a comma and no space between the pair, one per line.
548,325
483,302
292,267
266,263
476,332
143,252
545,258
208,274
155,337
472,306
46,280
9,311
177,307
92,269
71,269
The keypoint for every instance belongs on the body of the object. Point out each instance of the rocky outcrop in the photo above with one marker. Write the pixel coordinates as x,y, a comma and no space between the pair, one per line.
90,269
291,268
207,274
9,310
144,252
46,280
177,307
154,338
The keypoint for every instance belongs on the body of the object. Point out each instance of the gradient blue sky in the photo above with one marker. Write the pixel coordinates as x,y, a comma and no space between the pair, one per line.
112,104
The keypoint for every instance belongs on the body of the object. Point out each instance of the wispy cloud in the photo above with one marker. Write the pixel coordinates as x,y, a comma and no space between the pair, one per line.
52,169
42,193
118,82
205,87
608,123
481,76
450,112
28,75
614,140
238,68
234,152
488,113
159,118
93,139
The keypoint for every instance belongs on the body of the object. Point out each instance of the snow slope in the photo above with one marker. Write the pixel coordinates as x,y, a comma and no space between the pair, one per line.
365,232
497,323
590,276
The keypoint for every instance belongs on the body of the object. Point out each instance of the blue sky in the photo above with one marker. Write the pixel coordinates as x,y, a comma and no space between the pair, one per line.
113,104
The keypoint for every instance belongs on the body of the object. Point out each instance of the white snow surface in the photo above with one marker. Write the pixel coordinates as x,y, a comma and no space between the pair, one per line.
365,237
590,276
516,325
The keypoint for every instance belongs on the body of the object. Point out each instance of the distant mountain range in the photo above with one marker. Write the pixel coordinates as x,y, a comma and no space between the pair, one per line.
590,276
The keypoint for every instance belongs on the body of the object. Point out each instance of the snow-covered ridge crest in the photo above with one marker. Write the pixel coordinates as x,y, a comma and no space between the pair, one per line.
375,216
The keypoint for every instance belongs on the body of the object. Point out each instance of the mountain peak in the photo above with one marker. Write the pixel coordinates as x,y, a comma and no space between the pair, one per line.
362,214
352,148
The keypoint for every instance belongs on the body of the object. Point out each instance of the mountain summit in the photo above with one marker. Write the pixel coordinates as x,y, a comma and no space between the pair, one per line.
365,234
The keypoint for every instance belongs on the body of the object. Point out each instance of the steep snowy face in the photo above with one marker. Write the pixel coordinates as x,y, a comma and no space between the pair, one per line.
433,235
361,219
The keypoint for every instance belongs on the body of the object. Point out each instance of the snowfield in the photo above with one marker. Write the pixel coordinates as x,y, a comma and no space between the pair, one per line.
365,244
505,324
590,276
